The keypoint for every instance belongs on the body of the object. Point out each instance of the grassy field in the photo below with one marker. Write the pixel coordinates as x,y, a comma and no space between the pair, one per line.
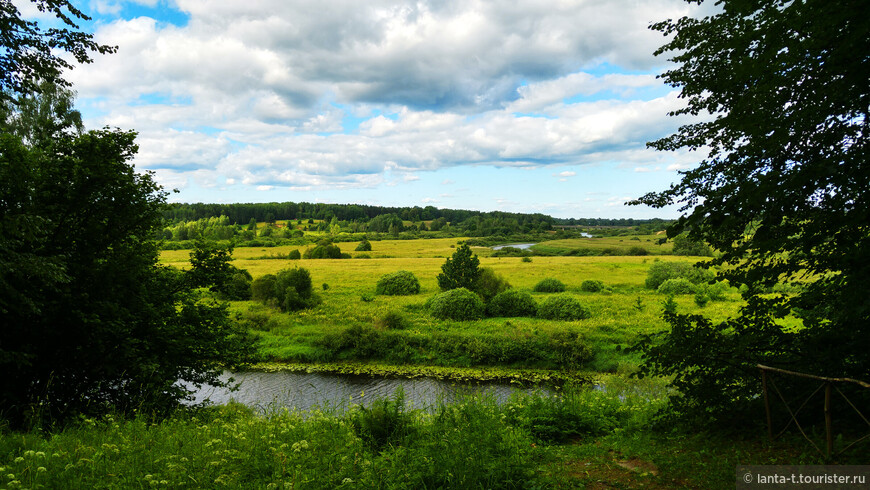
347,286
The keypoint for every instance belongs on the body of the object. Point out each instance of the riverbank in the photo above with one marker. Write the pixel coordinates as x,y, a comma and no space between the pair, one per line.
582,437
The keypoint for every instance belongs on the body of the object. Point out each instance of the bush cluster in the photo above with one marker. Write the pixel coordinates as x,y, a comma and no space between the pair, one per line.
489,284
399,283
290,290
549,285
456,304
592,286
562,307
364,246
679,285
324,250
660,272
512,303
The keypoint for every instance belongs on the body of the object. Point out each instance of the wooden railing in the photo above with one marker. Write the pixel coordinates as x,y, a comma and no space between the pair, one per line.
829,385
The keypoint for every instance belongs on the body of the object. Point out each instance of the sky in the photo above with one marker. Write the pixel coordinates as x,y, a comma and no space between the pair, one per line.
520,106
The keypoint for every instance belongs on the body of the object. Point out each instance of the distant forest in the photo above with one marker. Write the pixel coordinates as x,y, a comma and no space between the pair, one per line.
243,213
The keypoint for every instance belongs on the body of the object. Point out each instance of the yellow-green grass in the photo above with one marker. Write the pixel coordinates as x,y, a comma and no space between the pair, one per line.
618,314
622,243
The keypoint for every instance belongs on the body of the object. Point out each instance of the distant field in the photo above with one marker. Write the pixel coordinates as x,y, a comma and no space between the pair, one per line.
621,312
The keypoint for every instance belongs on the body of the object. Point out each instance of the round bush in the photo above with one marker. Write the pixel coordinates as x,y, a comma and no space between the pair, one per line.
364,246
456,304
678,286
592,286
512,303
549,285
562,307
662,271
489,284
400,283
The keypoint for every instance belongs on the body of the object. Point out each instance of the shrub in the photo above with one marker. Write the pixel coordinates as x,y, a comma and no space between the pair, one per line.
456,304
526,259
677,286
660,272
592,286
364,246
263,288
637,251
489,284
324,250
562,307
400,283
290,289
716,291
294,255
701,299
549,285
683,245
392,320
461,270
512,303
238,288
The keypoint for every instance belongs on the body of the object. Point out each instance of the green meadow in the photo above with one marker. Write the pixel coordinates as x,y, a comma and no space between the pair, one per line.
351,312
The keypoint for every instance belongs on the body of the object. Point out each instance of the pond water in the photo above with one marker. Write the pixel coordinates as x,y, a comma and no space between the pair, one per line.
521,246
303,391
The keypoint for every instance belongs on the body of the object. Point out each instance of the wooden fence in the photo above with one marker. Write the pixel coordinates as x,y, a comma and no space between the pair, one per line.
829,385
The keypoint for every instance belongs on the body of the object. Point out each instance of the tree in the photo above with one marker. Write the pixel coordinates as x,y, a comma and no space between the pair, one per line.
460,271
783,193
91,320
30,55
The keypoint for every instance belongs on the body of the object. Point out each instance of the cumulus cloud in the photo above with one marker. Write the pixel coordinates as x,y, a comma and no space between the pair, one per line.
337,94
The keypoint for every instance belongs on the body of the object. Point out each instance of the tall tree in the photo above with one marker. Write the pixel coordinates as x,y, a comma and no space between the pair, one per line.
783,193
30,54
90,320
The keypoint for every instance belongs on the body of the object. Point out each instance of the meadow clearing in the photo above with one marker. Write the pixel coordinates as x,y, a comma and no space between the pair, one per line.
350,314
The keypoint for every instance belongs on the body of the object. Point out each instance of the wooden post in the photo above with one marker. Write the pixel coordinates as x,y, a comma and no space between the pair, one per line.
766,404
828,432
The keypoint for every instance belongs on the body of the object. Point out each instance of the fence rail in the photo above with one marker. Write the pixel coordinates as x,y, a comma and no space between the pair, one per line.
829,385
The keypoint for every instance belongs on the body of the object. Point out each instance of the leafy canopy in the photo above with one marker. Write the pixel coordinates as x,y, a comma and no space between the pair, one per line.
782,193
91,320
30,54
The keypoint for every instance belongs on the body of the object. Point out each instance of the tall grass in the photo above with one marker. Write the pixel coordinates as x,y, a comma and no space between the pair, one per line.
475,443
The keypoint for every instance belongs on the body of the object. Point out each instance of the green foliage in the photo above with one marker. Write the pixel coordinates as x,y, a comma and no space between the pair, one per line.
398,283
489,284
679,285
683,245
263,288
526,259
701,299
782,195
91,320
459,271
294,289
392,320
592,286
661,271
383,423
31,55
290,290
456,304
549,285
324,250
637,251
294,255
511,303
562,307
364,246
238,288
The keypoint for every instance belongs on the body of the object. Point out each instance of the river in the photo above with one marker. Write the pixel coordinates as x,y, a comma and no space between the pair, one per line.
303,391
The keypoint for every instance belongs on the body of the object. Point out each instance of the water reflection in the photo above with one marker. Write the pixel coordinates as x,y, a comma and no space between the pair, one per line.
303,391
